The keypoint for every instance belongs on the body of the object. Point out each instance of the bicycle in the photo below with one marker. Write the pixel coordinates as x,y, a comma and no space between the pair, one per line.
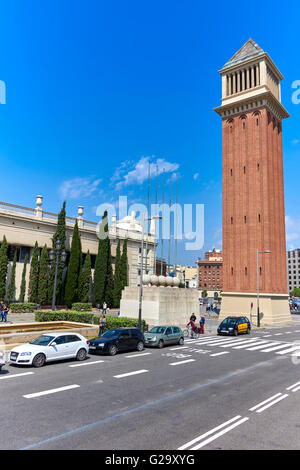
189,333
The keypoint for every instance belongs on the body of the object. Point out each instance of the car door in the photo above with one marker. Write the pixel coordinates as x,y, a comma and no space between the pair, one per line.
58,348
71,345
124,340
176,334
168,335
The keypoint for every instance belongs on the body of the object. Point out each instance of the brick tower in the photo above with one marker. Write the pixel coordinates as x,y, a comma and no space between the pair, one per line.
253,193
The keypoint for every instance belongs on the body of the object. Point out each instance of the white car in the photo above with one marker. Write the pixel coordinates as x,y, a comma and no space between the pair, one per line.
50,347
2,359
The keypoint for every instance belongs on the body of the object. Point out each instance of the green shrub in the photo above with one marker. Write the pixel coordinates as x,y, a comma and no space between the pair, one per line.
120,322
82,307
87,317
22,307
64,315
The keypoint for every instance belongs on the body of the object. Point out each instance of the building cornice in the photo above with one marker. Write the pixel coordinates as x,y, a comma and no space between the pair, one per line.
251,104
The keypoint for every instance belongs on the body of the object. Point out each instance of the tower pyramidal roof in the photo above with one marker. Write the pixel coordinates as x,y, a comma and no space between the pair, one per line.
249,50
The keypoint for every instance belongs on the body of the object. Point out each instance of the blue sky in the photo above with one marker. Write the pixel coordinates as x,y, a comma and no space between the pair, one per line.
97,88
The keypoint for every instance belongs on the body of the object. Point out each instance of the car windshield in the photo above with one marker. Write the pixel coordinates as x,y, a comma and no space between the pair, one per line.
43,340
229,321
110,333
158,330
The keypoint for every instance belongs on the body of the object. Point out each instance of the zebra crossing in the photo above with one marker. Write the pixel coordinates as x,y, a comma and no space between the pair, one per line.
260,344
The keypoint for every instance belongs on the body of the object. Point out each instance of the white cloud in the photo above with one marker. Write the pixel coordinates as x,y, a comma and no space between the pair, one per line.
79,187
139,171
295,141
196,176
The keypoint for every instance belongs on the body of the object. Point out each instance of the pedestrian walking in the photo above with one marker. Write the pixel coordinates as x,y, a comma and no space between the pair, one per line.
104,308
202,322
102,324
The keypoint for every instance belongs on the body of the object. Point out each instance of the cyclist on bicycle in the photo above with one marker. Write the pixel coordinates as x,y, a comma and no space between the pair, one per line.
195,329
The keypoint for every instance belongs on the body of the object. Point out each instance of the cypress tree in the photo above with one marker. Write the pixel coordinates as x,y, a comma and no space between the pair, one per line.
3,268
103,275
85,279
74,268
109,284
12,282
117,278
60,234
43,277
101,264
124,266
23,282
34,275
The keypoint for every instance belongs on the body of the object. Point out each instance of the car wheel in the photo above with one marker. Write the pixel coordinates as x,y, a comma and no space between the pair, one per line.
248,331
81,355
113,350
39,360
235,332
181,341
140,346
160,344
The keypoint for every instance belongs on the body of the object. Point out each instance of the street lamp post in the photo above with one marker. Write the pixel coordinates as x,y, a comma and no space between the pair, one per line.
142,266
63,260
259,253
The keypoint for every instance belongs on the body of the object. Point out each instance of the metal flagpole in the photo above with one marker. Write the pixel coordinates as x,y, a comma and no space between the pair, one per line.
162,226
176,225
154,257
148,218
170,223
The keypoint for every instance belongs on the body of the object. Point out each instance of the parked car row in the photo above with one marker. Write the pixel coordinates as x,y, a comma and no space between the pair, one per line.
60,346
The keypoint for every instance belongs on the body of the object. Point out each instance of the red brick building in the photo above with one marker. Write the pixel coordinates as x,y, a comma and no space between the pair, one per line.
210,271
253,192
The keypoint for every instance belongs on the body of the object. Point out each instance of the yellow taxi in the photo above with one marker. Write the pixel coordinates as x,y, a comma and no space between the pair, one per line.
234,326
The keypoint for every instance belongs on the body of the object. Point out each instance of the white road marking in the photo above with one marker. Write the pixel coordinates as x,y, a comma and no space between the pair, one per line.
86,363
293,386
261,346
219,354
240,341
247,345
179,347
210,439
181,362
278,334
138,355
188,444
120,376
274,348
48,392
272,403
285,351
9,376
266,336
264,402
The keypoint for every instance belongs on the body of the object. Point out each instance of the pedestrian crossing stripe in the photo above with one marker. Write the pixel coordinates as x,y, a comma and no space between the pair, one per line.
250,344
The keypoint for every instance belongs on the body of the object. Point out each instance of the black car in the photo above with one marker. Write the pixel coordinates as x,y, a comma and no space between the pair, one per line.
118,339
234,326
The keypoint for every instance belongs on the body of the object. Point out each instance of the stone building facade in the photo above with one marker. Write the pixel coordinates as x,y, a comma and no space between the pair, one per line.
23,226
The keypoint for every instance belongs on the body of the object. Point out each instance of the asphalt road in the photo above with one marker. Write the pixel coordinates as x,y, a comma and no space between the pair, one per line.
213,393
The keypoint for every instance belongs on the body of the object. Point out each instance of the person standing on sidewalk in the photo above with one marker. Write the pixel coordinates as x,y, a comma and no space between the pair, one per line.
202,322
102,324
104,308
4,311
